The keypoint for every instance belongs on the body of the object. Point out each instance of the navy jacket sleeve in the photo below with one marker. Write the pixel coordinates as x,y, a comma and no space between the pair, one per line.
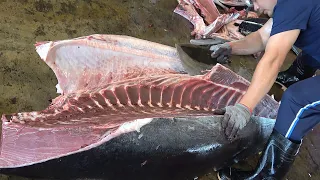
290,14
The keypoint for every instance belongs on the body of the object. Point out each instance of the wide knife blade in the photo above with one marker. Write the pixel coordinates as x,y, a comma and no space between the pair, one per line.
195,59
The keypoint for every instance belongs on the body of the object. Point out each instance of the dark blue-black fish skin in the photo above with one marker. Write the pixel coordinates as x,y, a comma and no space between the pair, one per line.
178,148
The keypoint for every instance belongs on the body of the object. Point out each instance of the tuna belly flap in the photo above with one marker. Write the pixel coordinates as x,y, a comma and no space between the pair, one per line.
99,102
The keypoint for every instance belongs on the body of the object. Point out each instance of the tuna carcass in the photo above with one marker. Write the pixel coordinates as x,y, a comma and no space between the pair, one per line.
128,109
210,23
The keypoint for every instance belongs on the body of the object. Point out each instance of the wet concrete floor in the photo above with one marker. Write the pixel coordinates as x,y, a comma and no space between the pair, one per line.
28,84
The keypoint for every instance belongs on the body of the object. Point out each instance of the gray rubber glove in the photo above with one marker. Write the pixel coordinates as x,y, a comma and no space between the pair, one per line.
222,52
235,118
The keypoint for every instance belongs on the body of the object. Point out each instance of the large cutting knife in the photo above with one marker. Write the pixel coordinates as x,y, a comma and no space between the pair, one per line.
196,55
195,59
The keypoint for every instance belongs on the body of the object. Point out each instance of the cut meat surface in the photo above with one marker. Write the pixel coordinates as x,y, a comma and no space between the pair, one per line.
211,16
155,96
95,108
84,119
24,145
208,10
209,22
188,11
92,61
148,96
220,22
267,107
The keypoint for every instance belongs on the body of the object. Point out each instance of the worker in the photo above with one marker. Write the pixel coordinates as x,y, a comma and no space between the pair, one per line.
292,22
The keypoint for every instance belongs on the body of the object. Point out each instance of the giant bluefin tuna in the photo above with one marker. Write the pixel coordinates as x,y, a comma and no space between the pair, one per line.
128,109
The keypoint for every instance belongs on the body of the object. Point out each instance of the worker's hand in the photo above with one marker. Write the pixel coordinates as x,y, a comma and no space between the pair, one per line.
220,48
235,118
222,52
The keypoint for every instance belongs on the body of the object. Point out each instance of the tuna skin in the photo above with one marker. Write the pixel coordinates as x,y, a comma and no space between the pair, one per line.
194,144
97,105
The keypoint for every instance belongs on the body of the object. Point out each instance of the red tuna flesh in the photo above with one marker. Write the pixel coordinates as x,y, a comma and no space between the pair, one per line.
92,61
210,22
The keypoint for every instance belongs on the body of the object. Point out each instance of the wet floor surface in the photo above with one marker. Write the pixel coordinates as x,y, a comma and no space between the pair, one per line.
28,84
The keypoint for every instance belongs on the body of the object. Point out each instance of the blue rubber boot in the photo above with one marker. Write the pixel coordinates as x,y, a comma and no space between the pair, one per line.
299,70
274,163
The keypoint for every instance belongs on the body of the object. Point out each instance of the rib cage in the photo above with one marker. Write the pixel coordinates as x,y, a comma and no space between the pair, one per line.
151,96
155,96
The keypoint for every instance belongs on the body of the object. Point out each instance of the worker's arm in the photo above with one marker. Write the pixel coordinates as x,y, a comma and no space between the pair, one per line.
251,44
236,117
254,42
267,69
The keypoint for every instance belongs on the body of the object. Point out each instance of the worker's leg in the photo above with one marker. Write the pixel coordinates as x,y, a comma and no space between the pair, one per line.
303,67
300,109
299,112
